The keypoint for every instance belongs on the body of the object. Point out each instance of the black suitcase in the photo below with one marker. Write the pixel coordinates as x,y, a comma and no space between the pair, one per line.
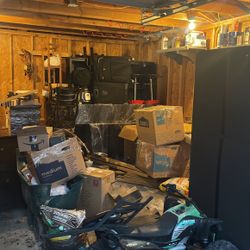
114,69
115,93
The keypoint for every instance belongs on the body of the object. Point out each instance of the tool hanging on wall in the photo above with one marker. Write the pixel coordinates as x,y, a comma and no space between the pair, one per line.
27,60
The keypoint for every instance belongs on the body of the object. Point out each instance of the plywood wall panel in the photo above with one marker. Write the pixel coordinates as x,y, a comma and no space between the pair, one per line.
5,75
189,89
175,82
99,47
61,45
40,43
21,82
64,46
130,50
142,54
77,47
39,81
114,49
162,81
5,65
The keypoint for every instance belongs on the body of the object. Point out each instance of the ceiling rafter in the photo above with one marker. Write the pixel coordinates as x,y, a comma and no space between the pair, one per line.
107,17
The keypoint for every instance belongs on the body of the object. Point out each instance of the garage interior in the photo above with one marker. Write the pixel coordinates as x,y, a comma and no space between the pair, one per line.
124,124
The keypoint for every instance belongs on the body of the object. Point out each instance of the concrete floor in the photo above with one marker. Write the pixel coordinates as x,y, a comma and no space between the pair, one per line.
15,233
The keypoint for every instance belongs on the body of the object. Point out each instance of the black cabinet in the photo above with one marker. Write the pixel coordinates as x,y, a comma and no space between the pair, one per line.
220,156
10,187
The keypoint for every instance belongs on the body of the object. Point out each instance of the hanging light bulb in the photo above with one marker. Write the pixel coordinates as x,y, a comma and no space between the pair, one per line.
192,24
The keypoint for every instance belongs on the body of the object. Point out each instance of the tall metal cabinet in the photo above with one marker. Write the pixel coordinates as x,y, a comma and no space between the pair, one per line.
220,157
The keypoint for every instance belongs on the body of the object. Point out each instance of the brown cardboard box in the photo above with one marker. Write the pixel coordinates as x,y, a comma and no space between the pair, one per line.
58,163
129,134
32,138
96,186
160,125
157,161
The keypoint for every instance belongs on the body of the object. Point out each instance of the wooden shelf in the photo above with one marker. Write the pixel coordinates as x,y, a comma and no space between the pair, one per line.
179,53
230,47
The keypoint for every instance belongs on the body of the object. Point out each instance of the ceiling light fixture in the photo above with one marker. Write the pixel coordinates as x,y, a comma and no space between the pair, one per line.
192,24
72,3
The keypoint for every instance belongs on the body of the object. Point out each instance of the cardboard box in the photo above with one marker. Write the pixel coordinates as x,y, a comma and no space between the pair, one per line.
160,125
157,161
129,134
96,186
32,139
58,163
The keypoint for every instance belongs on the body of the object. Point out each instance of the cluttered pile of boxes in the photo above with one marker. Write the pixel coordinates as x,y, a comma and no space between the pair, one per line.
55,159
153,143
56,170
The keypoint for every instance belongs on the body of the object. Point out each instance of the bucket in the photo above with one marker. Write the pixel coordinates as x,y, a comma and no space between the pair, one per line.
136,102
152,102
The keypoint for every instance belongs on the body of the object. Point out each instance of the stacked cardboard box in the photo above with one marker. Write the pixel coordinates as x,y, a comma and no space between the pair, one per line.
50,165
94,197
159,129
129,134
54,159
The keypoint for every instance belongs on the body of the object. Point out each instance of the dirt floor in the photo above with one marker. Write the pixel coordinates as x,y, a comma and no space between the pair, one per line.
15,233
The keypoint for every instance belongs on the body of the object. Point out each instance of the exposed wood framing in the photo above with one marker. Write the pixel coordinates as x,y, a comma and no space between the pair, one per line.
55,17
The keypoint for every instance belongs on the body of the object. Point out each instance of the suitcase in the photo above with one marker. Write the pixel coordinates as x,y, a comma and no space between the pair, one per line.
114,69
115,93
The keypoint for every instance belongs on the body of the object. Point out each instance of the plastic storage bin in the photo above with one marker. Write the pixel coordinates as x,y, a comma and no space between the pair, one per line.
36,195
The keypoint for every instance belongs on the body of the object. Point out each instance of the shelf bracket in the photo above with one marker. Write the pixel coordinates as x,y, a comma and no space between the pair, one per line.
179,53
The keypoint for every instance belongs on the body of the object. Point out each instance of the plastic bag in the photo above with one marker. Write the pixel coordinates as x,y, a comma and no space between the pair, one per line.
182,184
68,219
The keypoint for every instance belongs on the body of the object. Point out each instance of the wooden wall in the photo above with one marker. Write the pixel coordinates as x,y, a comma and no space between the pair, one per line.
12,76
175,82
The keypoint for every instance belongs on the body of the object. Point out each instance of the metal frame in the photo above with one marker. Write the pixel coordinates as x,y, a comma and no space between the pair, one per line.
158,14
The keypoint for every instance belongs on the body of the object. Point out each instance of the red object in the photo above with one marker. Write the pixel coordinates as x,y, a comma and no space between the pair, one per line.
152,102
136,101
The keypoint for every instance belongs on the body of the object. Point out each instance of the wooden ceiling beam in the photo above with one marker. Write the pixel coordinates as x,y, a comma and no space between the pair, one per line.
96,16
130,15
83,21
43,22
124,15
224,8
50,1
